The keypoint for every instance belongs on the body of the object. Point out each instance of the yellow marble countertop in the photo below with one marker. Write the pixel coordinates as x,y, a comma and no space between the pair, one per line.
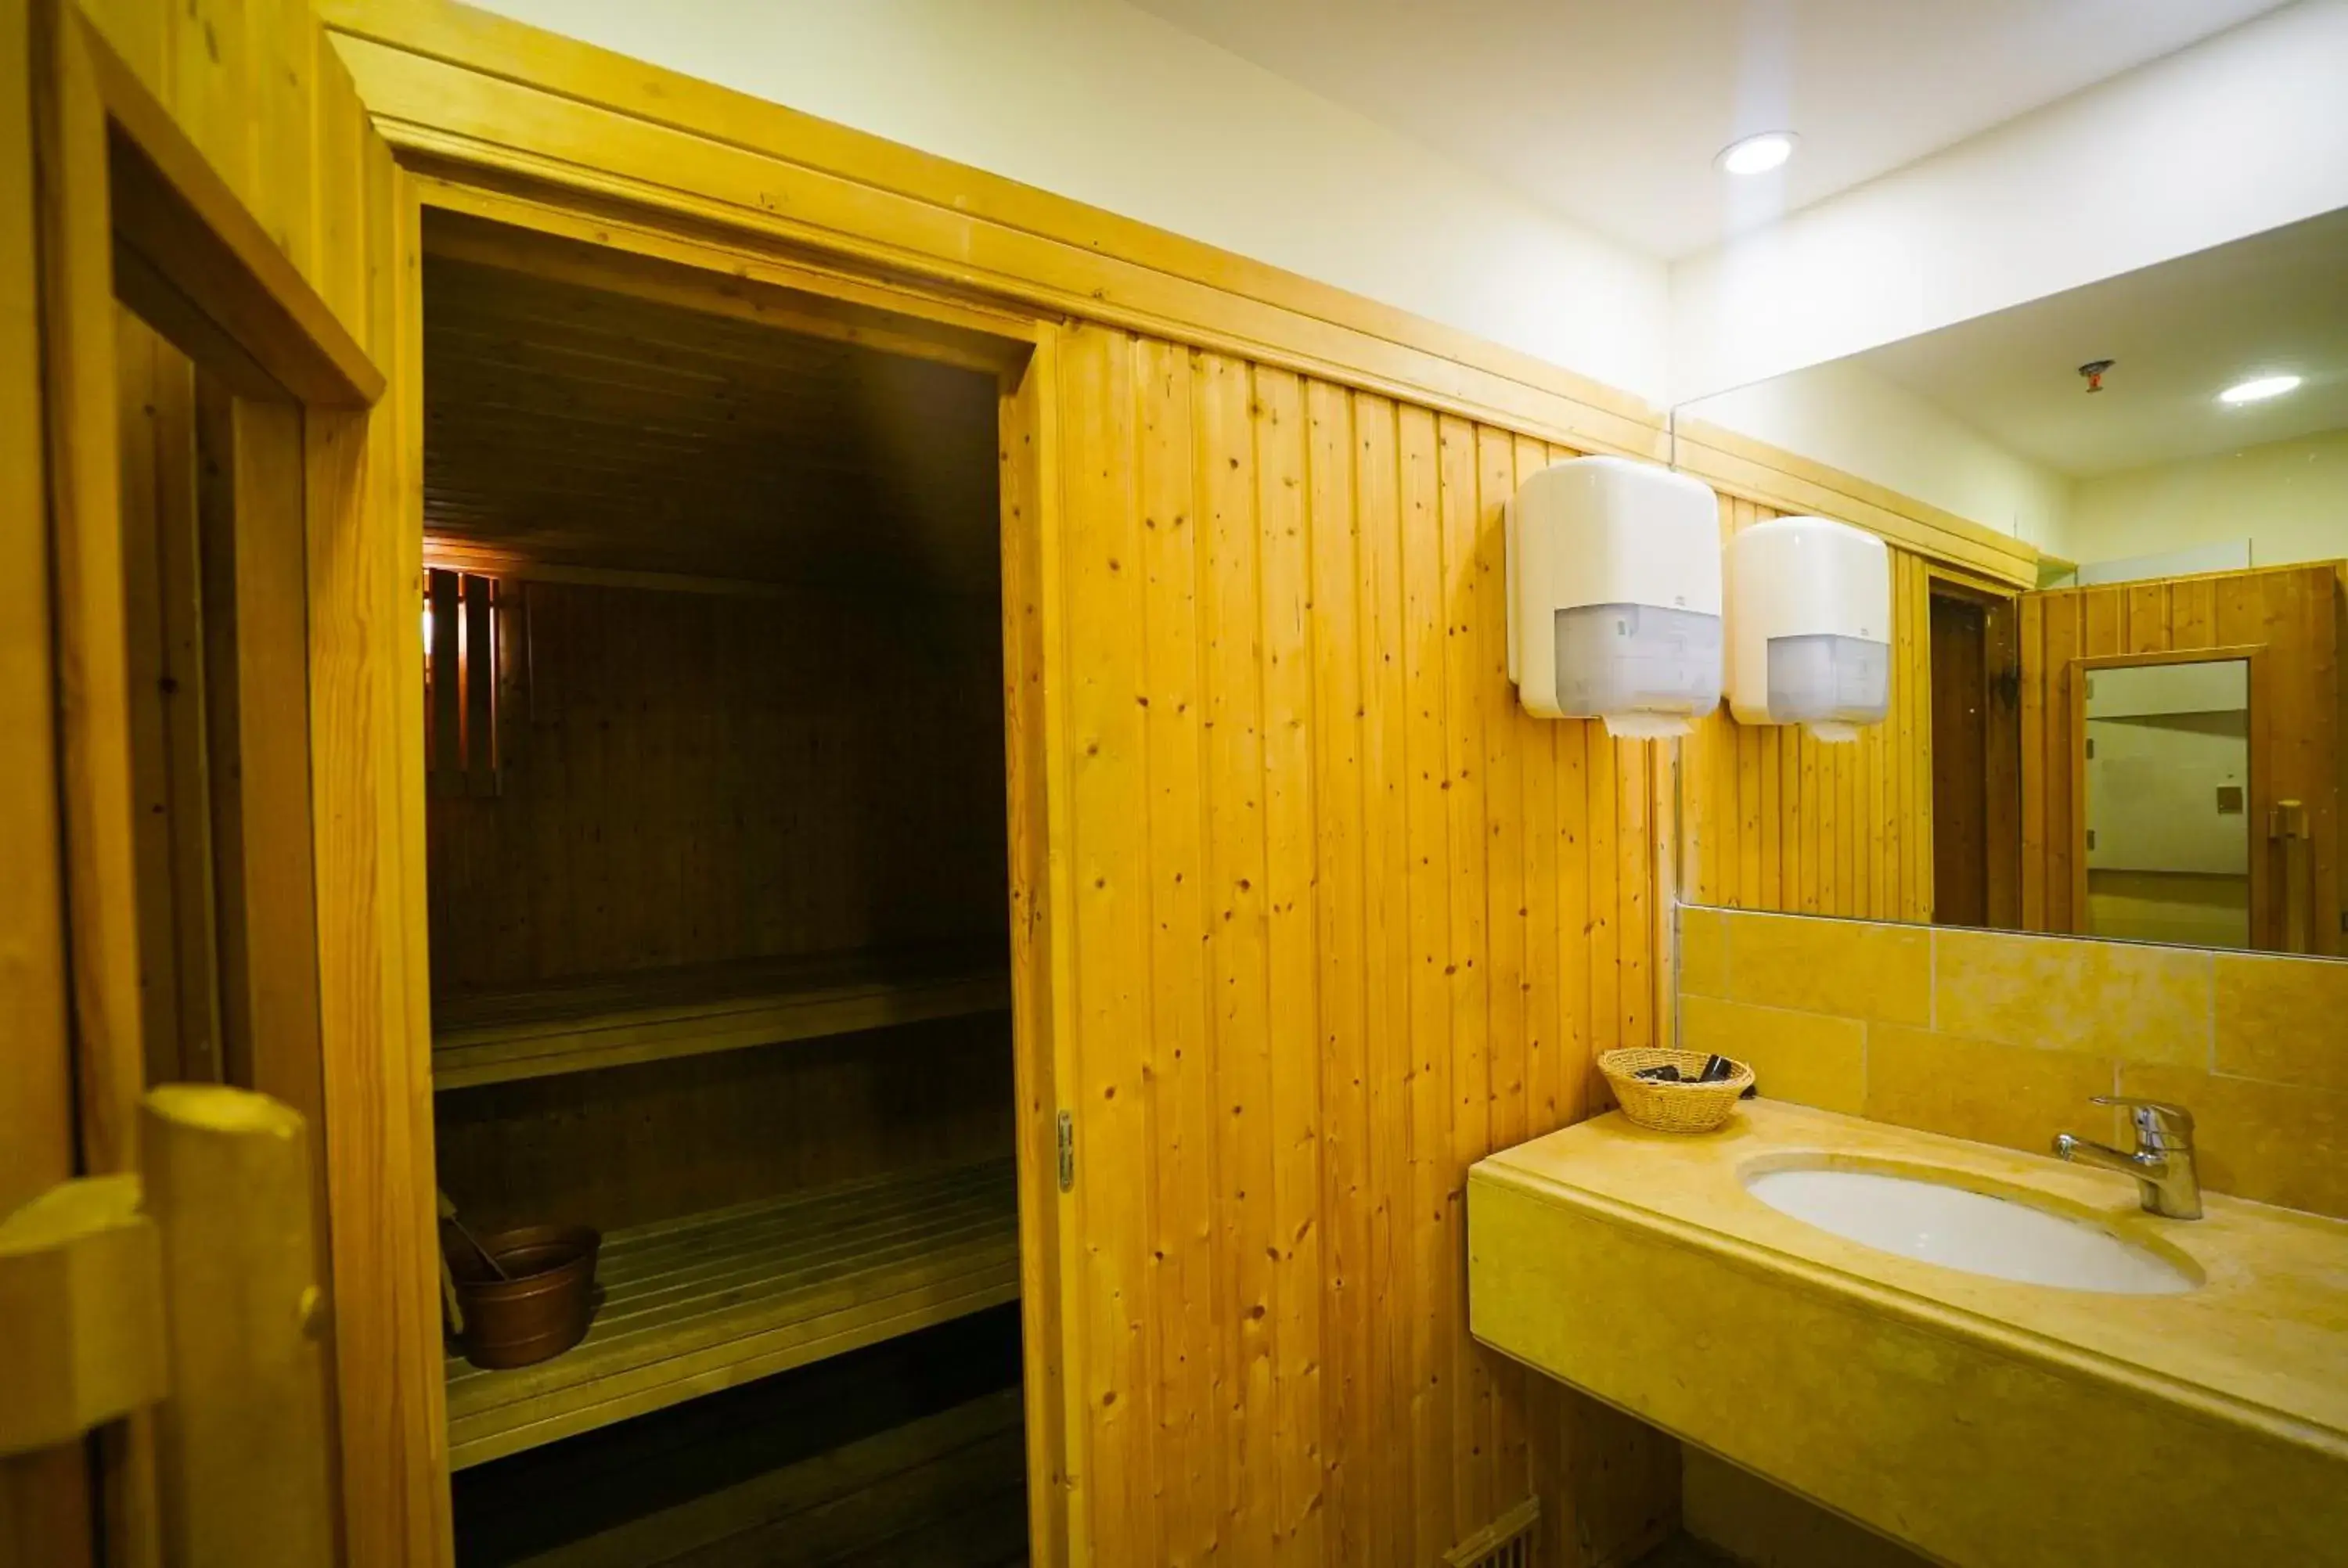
2263,1341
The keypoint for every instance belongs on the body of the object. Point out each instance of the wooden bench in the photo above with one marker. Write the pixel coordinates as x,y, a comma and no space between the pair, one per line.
575,1026
695,1305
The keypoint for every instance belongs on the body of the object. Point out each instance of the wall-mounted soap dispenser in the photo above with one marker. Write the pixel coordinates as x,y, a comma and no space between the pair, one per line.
1614,595
1809,626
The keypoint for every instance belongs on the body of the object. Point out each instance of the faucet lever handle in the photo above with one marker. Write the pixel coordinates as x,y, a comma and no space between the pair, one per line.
2158,1124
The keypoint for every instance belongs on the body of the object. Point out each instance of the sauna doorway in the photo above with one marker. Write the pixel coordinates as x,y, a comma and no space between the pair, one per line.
719,922
1975,672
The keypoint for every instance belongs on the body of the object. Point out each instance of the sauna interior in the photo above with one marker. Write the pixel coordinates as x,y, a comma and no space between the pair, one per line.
718,910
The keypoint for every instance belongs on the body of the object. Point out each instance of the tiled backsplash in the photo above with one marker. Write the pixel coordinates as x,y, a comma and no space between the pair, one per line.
2002,1038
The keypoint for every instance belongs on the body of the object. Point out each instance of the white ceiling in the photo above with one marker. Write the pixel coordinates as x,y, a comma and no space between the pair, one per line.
1610,113
2179,333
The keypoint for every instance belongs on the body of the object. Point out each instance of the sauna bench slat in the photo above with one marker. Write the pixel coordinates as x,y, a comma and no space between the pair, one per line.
695,1305
493,1037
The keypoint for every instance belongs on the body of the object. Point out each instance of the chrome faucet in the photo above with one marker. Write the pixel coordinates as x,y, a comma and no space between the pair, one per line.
2162,1163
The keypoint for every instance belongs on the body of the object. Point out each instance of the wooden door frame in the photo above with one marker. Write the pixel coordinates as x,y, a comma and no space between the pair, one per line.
125,208
44,1514
2075,700
2000,606
1971,635
646,254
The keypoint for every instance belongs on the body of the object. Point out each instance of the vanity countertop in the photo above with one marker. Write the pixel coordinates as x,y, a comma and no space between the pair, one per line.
1953,1410
2267,1332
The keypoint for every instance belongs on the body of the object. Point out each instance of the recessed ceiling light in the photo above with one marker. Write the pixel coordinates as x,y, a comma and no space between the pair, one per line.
1757,154
2260,390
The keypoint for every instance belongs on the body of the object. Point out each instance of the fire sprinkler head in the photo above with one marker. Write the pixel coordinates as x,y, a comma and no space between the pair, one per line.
2094,370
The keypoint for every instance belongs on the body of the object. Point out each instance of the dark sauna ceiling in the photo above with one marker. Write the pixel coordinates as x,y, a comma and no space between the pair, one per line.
579,425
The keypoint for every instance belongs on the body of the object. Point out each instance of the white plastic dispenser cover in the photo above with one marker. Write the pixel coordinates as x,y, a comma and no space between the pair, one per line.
1809,626
1613,595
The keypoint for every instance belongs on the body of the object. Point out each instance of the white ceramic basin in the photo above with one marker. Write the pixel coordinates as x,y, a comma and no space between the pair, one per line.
1965,1230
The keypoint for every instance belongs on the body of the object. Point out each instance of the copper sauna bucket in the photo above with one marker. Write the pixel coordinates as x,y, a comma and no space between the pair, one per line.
544,1306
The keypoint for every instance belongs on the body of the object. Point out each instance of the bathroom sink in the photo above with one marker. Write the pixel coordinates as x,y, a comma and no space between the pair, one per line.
1939,1223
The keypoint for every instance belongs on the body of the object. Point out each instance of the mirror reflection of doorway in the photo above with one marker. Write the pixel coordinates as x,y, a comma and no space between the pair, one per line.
2166,760
1959,763
1976,759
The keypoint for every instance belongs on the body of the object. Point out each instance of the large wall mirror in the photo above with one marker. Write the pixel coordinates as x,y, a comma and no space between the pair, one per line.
2138,736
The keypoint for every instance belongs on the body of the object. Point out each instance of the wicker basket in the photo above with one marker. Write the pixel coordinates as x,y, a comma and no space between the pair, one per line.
1673,1107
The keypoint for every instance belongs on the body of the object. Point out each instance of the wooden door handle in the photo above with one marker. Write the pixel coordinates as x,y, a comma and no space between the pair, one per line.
81,1288
2287,823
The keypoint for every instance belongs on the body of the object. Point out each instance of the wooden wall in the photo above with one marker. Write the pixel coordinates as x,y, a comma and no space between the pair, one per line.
164,625
2294,613
46,1512
1775,820
636,1144
692,777
737,771
1344,918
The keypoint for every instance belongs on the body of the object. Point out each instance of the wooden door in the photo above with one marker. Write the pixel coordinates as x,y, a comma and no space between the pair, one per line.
142,148
1959,763
1332,918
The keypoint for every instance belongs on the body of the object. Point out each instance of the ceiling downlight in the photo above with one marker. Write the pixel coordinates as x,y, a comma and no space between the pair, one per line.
1757,154
2258,389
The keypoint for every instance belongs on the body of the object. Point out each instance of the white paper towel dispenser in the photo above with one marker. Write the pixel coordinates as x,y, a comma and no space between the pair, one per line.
1613,591
1809,626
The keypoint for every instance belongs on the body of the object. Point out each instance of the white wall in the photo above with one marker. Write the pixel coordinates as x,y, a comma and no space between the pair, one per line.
2289,498
1099,101
1096,100
2239,134
1851,418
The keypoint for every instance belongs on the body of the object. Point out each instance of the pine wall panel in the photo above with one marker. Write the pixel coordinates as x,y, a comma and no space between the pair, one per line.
1776,821
699,777
1345,920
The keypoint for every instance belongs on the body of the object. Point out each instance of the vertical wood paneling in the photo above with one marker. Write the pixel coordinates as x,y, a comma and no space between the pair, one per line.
1380,1521
1634,890
1106,800
164,600
1183,1097
1915,648
1511,738
1341,1028
1426,897
1468,957
1347,920
1778,820
1292,979
1536,763
829,813
2062,628
2033,761
1585,1029
1231,616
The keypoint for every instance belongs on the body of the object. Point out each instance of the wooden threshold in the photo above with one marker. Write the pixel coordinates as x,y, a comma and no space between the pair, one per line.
579,1025
695,1305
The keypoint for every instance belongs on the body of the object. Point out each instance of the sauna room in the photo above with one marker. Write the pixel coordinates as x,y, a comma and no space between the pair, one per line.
718,917
1173,784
